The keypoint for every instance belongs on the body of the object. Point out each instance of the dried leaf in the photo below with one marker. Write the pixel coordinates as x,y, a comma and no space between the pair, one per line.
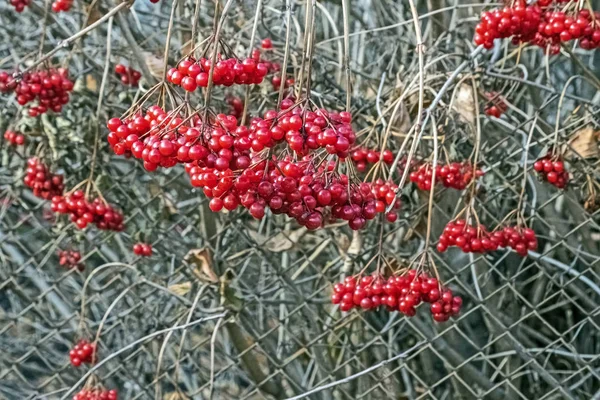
464,103
584,144
91,83
281,242
154,64
203,261
181,289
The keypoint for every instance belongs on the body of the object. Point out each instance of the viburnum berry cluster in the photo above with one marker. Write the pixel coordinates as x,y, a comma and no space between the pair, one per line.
83,212
96,394
477,239
304,130
70,259
397,293
191,74
495,106
552,170
142,249
19,5
454,175
43,183
225,160
362,157
540,25
82,353
129,76
61,5
14,138
48,88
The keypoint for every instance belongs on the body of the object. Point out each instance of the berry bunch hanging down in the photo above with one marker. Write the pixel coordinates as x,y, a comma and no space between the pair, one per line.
191,74
304,130
70,259
49,89
19,5
539,24
397,293
129,76
43,183
14,138
495,106
363,157
83,212
61,5
96,394
82,353
454,175
142,249
308,194
273,67
472,239
552,170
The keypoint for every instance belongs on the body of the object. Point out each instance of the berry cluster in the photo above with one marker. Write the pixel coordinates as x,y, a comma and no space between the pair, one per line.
519,239
70,259
304,130
471,239
191,74
19,5
237,106
82,353
96,394
224,160
142,249
454,175
50,88
298,189
272,67
398,293
61,5
540,25
362,157
129,76
14,138
521,22
495,106
552,170
83,212
44,184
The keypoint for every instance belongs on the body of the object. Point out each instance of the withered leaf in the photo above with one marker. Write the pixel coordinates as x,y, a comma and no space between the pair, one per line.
584,144
203,261
154,64
464,103
181,289
280,242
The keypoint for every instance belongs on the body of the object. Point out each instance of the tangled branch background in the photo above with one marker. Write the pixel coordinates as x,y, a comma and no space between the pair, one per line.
299,199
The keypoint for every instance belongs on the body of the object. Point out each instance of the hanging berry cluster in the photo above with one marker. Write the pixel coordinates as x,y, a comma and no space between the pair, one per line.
96,394
70,259
273,67
83,212
495,106
454,175
82,353
362,157
129,76
61,5
397,293
19,5
191,74
14,138
48,88
142,249
43,183
472,239
540,25
552,170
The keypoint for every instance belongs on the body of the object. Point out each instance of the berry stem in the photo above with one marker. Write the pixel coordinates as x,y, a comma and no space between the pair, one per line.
346,66
286,51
